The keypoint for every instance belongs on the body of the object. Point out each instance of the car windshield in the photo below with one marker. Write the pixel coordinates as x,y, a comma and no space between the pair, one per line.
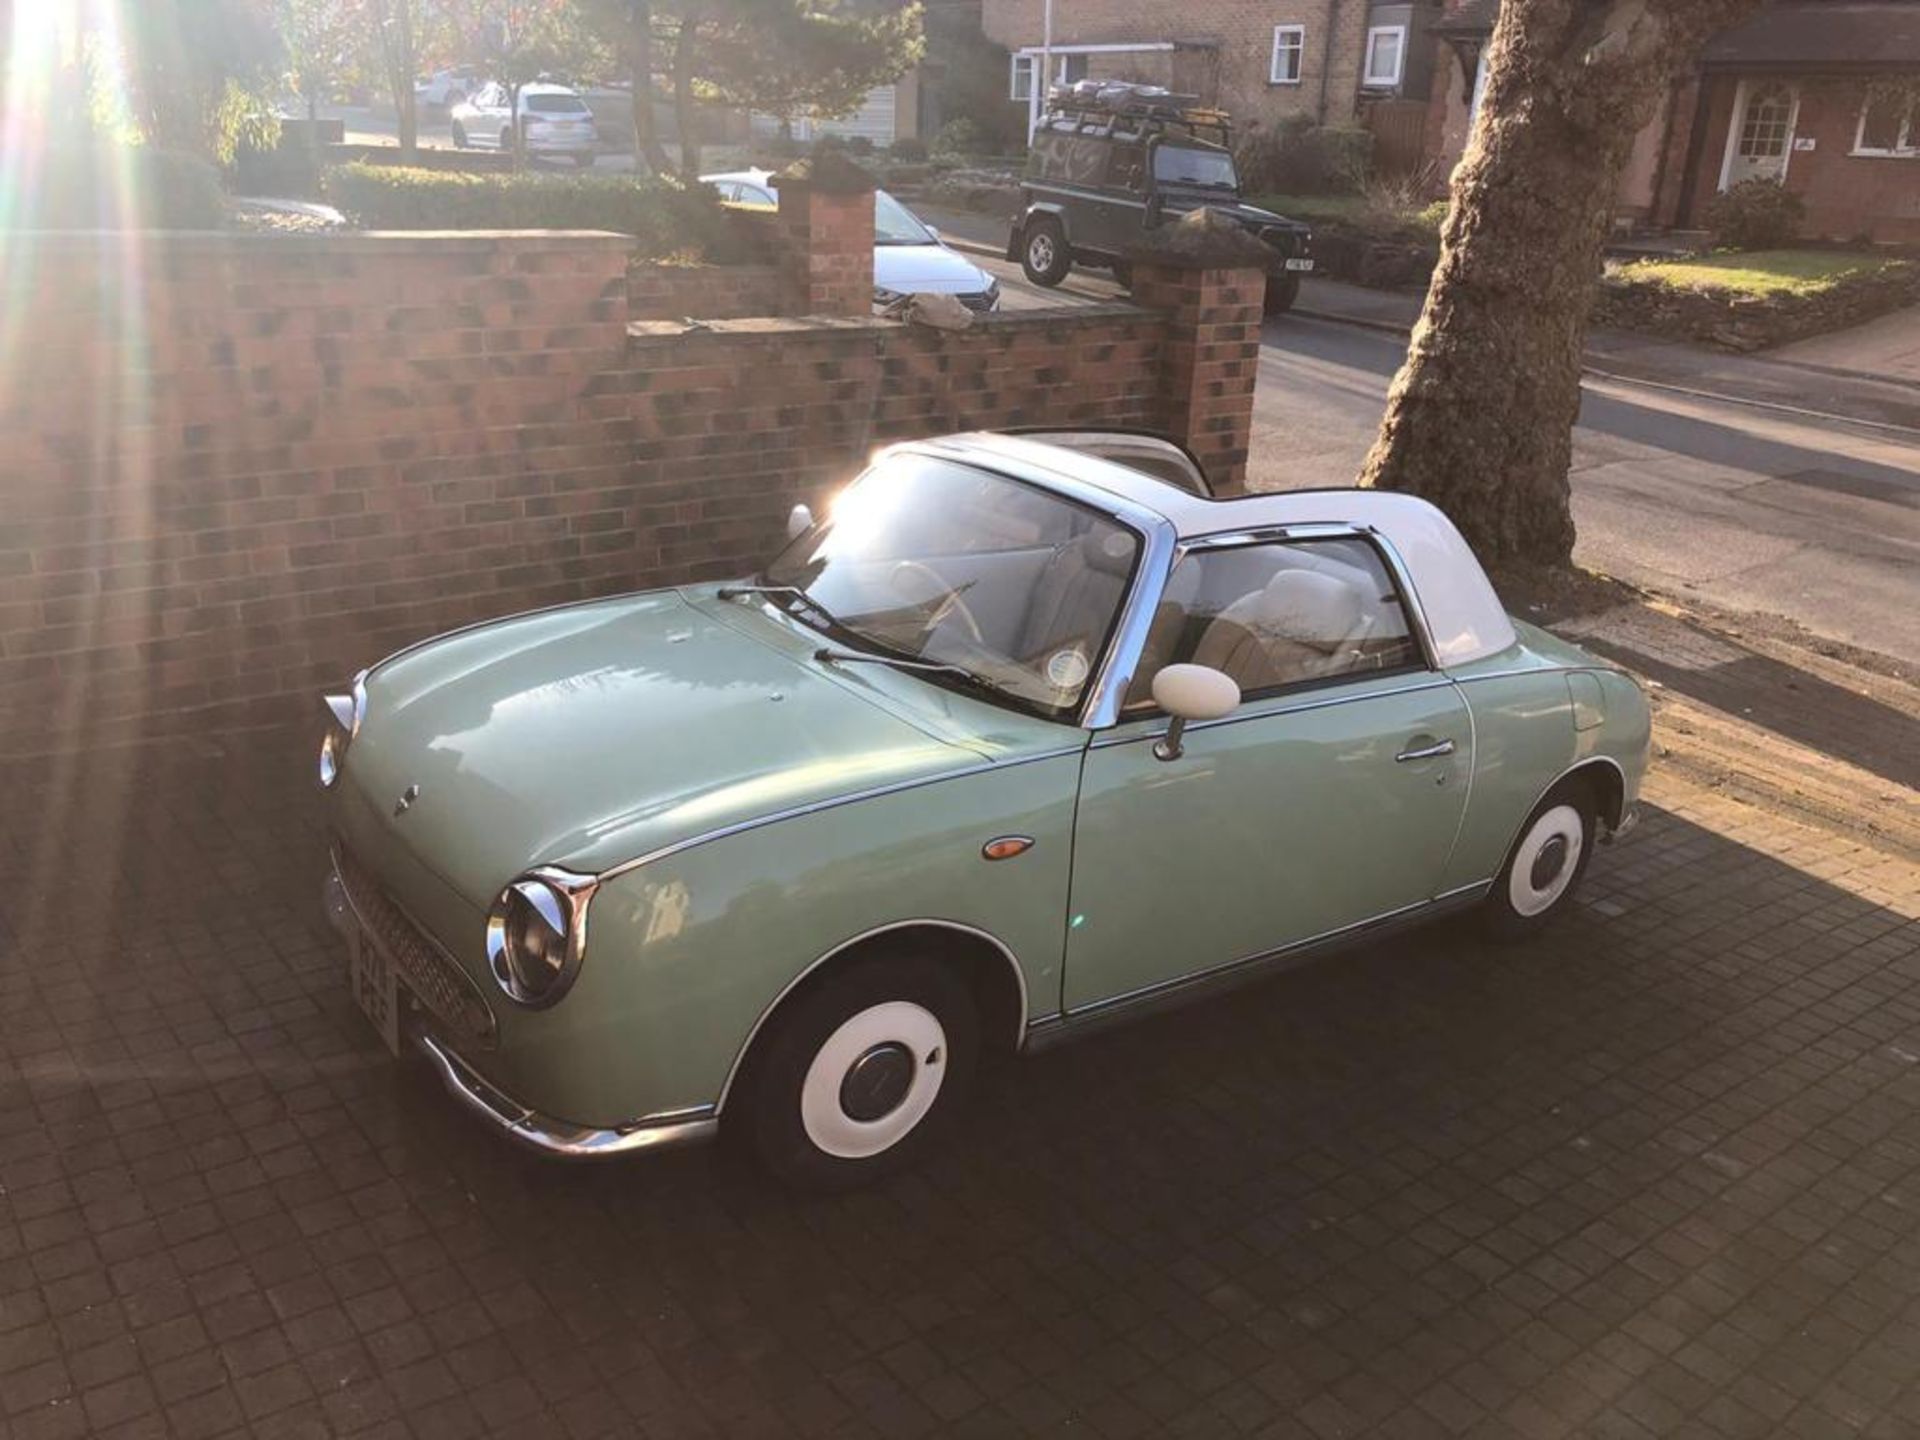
1017,588
894,224
556,104
1183,165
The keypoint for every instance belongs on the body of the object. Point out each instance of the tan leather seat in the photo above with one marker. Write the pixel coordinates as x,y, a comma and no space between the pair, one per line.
1075,598
1301,625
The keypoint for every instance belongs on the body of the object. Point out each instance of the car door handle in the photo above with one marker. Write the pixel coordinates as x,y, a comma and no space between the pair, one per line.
1425,752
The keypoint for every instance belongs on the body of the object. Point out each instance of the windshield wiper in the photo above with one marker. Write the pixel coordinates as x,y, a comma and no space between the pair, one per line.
828,656
831,620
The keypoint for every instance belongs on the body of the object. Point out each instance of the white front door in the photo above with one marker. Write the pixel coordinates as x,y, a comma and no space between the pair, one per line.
1764,112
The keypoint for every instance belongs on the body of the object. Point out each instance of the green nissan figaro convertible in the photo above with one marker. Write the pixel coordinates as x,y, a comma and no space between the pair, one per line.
1027,735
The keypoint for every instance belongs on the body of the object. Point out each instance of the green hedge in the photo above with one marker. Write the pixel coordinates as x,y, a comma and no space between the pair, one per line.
121,187
664,216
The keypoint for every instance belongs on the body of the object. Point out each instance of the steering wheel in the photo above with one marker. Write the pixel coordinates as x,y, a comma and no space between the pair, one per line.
951,605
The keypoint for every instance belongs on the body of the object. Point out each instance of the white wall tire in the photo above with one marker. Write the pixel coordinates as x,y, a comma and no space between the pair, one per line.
860,1072
1545,864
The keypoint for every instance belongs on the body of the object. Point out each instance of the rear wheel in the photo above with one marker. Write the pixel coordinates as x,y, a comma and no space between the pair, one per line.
861,1073
1546,864
506,138
1282,291
1043,252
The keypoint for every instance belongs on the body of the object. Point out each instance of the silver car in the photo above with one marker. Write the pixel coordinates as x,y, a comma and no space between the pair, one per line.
908,255
553,119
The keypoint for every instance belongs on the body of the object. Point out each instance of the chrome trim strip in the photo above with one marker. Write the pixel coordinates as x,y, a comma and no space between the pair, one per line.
1019,979
1051,1030
1197,976
1403,582
740,827
1461,892
664,1131
1428,681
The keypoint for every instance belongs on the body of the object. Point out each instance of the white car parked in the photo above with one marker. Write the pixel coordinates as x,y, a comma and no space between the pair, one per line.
446,88
908,255
553,119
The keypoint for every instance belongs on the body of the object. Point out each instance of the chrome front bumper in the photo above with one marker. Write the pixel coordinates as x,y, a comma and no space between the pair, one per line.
520,1122
557,1137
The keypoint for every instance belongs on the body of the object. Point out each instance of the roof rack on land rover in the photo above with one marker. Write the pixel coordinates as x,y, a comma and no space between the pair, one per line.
1100,103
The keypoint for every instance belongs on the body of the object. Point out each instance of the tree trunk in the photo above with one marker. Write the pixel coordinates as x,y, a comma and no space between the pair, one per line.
685,47
646,138
403,101
1480,418
516,126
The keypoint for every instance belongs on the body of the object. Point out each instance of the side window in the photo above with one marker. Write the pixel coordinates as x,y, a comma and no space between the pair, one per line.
1278,615
1086,159
1127,165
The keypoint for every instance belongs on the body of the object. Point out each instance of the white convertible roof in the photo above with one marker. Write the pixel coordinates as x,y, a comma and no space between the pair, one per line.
1465,619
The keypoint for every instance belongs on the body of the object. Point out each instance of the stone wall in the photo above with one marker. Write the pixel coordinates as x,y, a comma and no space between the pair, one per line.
1741,322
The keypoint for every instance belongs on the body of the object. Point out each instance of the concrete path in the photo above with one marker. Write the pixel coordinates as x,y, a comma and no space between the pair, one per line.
1889,347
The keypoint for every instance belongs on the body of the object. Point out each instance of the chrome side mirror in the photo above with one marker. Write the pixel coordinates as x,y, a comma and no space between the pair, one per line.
1191,692
799,521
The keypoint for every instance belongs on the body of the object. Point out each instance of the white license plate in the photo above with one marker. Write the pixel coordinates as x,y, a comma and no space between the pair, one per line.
1299,264
375,990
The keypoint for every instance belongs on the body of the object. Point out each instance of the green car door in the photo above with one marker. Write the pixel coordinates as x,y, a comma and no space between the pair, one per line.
1330,797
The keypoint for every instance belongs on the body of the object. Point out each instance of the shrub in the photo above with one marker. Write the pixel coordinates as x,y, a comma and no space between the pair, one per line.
959,136
909,148
1755,215
664,216
81,187
1296,158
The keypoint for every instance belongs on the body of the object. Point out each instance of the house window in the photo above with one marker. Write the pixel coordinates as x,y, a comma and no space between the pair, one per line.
1289,43
1386,55
1067,68
1768,123
1889,125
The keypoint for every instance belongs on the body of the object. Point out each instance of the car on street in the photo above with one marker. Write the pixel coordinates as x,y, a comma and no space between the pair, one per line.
1111,162
1013,742
446,88
554,121
909,257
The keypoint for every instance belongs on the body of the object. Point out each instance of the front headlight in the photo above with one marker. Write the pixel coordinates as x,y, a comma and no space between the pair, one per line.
344,714
537,934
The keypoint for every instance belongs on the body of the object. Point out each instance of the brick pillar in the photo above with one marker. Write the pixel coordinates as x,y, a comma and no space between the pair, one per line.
1207,276
826,236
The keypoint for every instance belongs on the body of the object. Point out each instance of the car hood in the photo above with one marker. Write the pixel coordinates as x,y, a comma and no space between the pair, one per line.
1181,204
593,734
926,269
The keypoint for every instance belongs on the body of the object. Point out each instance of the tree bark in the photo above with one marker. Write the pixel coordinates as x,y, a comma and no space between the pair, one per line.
406,116
685,47
1480,418
646,137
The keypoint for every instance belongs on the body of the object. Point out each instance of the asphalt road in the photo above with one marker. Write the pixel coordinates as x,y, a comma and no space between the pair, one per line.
1745,508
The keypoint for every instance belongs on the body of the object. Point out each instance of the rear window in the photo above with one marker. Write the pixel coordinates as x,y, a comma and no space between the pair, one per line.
557,104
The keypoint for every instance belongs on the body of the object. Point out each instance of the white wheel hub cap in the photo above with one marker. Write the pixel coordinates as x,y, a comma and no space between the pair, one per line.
876,1078
1544,865
1040,251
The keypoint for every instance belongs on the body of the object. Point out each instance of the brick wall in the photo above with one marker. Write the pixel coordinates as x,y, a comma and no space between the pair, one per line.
710,292
1210,360
237,468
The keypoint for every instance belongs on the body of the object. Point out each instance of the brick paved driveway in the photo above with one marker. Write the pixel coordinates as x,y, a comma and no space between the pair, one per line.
1653,1176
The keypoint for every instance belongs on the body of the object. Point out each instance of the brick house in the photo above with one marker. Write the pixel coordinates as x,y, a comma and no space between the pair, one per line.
1822,95
1340,62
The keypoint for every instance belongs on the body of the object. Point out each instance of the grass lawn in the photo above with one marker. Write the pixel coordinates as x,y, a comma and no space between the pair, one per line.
1756,272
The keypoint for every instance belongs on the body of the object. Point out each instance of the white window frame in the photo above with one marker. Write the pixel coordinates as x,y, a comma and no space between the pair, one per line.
1018,65
1372,79
1906,147
1298,34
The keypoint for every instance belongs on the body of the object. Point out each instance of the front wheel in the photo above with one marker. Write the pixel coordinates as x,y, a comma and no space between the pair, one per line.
862,1072
1546,864
459,136
1044,254
1282,291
